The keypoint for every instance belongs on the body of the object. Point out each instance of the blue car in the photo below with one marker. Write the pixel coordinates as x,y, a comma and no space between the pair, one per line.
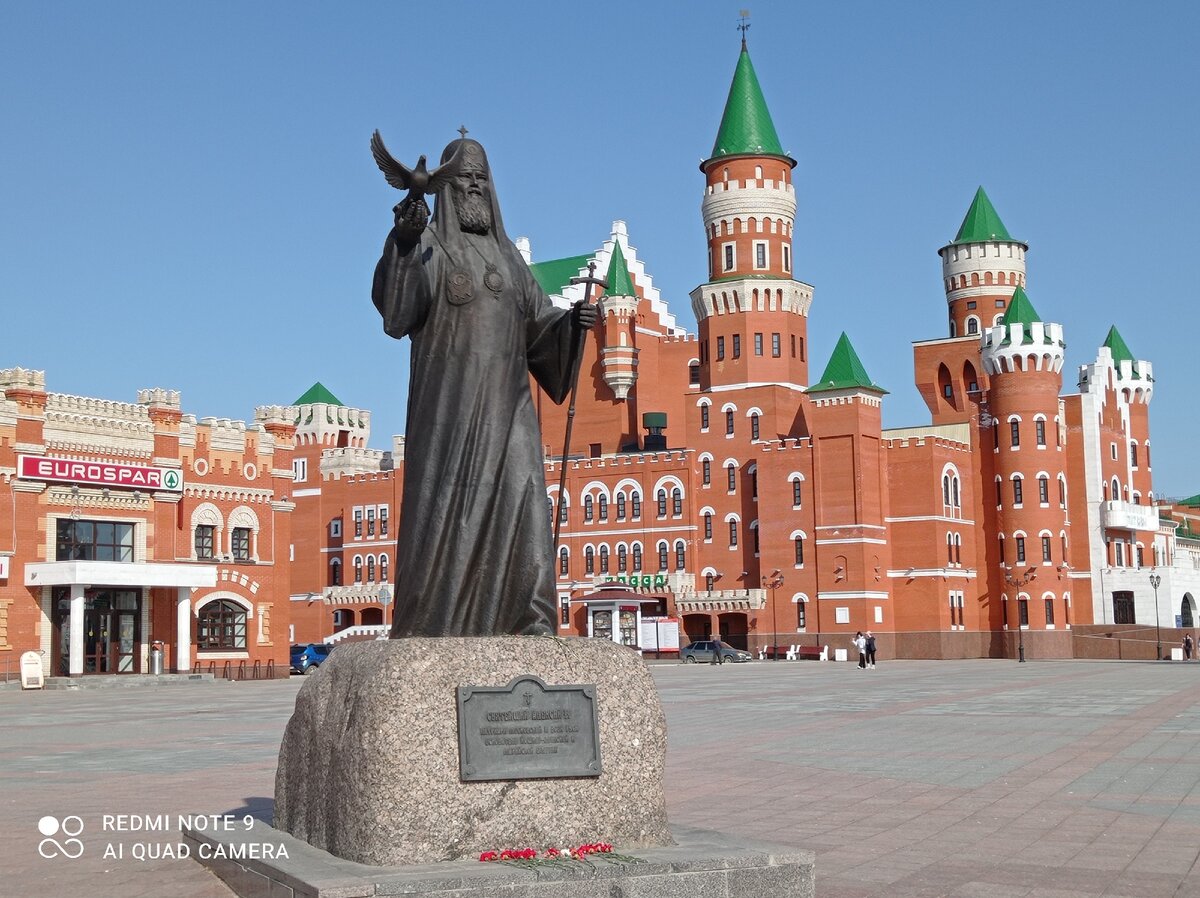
307,658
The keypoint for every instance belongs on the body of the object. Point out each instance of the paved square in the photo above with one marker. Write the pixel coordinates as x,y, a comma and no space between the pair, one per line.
972,779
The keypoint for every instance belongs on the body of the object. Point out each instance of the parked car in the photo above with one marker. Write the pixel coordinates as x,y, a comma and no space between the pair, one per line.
307,658
703,651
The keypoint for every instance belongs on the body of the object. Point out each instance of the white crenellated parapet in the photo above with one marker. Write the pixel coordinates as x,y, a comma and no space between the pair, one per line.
274,414
22,379
1133,381
523,247
225,434
622,308
1037,346
982,269
159,398
348,462
746,200
320,423
751,295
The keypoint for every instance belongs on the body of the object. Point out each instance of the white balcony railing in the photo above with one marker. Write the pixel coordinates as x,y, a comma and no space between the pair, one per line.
1127,516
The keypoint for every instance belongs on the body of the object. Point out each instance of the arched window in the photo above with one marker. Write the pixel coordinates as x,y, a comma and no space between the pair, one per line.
797,495
621,506
637,556
603,507
383,568
733,534
358,569
622,558
589,508
709,582
221,625
754,427
798,543
729,423
708,526
604,559
704,416
662,503
1043,489
662,557
680,555
370,568
564,561
706,471
676,502
1014,433
635,500
1018,484
589,560
972,326
335,572
731,476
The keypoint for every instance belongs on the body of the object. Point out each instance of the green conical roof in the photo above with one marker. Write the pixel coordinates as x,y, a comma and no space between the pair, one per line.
845,371
1116,345
619,281
318,393
1120,352
746,127
982,223
1021,311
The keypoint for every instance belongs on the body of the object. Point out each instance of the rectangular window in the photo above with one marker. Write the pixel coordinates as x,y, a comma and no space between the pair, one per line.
694,375
737,346
335,528
1014,429
708,527
793,345
971,304
1049,612
799,551
776,349
240,543
1123,607
358,522
706,471
1133,454
729,257
370,522
205,538
383,520
1039,427
1023,609
787,258
720,349
1018,491
729,424
760,255
796,494
704,416
732,471
94,541
1043,490
1020,550
1046,550
732,534
758,344
299,470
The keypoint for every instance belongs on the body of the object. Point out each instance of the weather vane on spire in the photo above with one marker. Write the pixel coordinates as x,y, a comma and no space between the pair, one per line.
743,25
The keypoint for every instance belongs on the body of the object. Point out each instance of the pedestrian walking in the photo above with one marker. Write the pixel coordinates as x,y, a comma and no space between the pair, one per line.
860,643
870,650
716,649
1188,645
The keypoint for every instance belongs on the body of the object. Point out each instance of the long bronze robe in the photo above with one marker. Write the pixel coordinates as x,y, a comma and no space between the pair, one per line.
474,554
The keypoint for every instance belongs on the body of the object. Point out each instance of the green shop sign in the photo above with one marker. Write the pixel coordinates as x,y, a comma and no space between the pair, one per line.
646,580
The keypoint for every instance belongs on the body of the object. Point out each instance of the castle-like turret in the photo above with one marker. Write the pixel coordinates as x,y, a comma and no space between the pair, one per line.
752,313
981,267
618,308
1023,356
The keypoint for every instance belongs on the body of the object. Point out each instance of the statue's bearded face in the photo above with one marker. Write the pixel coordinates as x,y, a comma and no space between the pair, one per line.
473,200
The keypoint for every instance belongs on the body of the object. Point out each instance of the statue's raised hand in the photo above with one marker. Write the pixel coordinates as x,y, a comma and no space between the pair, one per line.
412,215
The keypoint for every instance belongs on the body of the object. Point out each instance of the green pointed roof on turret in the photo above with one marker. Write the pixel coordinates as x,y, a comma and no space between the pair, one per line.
1120,351
981,223
316,394
619,281
746,127
1021,311
845,371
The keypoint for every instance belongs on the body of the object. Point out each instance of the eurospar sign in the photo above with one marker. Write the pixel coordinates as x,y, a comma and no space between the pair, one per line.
99,473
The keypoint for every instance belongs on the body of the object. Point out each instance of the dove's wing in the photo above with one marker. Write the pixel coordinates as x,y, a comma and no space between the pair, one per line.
396,173
444,172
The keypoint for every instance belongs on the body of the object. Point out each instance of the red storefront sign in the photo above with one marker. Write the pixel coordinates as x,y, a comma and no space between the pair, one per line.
99,473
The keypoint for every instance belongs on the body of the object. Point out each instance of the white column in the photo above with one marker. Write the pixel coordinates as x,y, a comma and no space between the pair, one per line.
183,630
77,604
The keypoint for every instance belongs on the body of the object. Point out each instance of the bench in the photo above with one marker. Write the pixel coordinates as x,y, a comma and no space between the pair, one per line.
812,653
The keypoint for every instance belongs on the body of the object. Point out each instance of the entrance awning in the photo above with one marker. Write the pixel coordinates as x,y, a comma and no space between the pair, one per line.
119,573
608,596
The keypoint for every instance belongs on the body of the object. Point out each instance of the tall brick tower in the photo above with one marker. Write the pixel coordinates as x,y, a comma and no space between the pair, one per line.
752,314
981,267
618,306
1023,357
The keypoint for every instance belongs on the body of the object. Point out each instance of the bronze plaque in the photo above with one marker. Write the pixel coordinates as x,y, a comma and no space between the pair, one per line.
527,730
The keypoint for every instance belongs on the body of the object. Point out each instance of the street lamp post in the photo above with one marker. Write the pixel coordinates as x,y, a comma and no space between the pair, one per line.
1155,580
773,582
1018,582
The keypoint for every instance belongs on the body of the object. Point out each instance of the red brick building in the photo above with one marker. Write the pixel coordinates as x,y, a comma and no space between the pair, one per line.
128,526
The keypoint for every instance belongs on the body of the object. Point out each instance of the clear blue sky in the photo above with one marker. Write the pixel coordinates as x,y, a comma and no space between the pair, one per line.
187,199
